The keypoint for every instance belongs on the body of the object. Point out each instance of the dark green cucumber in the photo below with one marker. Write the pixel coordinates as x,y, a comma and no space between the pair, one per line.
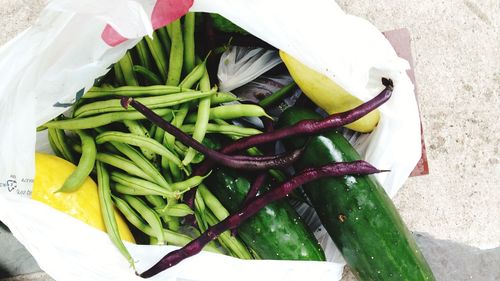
355,210
275,232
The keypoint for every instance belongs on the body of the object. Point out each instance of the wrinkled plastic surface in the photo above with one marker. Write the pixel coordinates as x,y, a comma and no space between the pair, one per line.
50,65
241,65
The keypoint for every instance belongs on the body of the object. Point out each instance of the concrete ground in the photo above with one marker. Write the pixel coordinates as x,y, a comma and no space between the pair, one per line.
456,47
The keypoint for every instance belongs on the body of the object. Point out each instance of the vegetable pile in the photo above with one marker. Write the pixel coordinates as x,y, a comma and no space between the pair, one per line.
160,139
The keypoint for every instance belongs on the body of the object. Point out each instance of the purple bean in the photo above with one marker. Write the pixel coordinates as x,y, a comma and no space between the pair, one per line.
236,162
252,193
254,188
236,219
278,157
309,127
305,127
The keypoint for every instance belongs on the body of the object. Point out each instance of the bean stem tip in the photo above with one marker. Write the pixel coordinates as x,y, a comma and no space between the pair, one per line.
125,102
387,82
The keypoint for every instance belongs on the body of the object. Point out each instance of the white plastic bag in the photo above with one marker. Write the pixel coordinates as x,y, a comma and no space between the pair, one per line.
240,65
51,64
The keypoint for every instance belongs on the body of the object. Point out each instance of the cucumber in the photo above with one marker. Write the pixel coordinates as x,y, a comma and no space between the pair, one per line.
355,210
276,232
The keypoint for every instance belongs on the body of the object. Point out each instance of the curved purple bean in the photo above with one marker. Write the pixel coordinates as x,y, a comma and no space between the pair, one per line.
308,127
236,162
234,220
305,127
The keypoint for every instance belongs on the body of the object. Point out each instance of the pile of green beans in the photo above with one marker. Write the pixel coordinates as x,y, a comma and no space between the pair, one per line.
141,170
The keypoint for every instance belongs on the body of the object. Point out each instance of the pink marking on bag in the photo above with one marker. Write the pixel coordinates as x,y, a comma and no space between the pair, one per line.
164,12
111,37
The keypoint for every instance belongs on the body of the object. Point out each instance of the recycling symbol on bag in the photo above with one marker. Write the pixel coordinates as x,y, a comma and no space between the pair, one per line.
11,185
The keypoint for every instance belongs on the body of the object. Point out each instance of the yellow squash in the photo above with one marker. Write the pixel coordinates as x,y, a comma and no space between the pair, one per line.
326,94
83,204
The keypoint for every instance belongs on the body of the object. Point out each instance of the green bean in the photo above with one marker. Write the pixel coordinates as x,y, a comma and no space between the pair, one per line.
143,185
169,140
126,66
181,149
140,190
140,141
41,128
179,117
169,166
213,203
158,54
190,80
176,210
232,243
221,213
186,185
227,248
176,53
171,237
174,169
200,127
173,222
277,96
134,126
101,120
230,130
179,146
165,40
189,48
122,164
120,80
153,240
167,176
75,107
132,215
108,212
137,186
232,111
200,212
149,215
194,76
85,165
114,105
159,133
54,146
98,92
150,76
58,139
198,158
141,162
144,55
132,91
156,200
65,142
152,130
109,147
223,97
138,129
